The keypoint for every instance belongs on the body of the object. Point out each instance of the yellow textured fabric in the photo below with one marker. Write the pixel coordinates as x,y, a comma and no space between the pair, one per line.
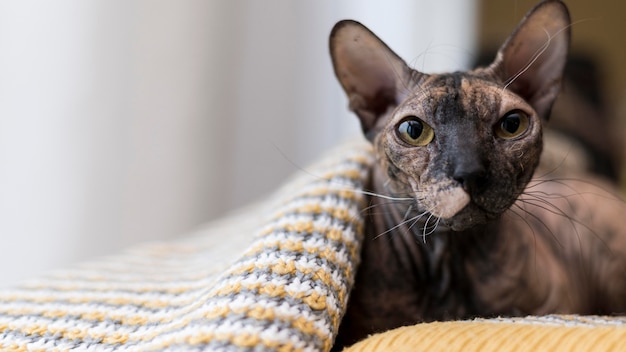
528,334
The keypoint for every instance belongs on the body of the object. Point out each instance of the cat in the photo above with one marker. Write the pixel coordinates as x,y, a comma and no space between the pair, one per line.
472,230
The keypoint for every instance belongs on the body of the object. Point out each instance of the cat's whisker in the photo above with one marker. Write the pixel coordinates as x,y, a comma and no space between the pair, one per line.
533,59
511,210
530,227
538,220
544,197
406,85
422,56
408,211
542,203
414,221
359,191
382,205
382,196
535,56
432,230
402,223
424,230
410,227
541,199
555,210
567,182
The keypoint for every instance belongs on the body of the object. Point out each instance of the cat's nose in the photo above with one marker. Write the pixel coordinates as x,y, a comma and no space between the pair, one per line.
472,177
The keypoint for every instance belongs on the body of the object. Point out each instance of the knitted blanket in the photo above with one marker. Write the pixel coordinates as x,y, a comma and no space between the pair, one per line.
273,277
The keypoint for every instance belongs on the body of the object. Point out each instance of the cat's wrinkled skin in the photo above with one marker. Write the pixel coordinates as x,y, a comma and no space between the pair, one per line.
468,159
477,237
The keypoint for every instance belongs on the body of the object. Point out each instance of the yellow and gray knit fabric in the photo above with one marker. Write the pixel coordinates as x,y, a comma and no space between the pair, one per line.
273,277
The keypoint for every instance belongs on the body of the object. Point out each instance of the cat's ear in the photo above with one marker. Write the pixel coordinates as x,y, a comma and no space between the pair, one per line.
372,75
531,60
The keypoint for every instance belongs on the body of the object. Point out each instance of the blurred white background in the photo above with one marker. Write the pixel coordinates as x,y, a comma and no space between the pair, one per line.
128,121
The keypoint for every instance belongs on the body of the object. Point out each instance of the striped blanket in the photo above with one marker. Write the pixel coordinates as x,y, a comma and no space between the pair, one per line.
272,277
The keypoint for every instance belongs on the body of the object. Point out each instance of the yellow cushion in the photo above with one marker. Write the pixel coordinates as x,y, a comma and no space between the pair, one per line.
553,333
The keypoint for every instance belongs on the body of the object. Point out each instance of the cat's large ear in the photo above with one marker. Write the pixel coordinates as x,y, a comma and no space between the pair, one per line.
372,75
531,60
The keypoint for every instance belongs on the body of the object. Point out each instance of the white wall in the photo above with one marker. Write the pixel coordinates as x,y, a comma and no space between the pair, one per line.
126,121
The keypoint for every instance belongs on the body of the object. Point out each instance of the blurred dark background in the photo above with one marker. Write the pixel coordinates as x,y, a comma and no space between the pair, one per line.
592,107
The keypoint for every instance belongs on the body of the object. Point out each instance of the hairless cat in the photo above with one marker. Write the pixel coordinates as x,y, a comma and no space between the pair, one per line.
465,226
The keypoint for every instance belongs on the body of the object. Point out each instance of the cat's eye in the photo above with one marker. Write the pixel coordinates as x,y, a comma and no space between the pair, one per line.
512,124
415,131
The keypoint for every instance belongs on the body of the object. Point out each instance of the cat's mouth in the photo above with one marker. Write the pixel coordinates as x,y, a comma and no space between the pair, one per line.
471,215
455,208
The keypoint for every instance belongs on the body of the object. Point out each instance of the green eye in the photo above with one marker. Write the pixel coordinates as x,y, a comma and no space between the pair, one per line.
415,131
512,124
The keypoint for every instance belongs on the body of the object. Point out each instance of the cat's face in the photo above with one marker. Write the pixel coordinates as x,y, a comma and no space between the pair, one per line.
461,146
464,145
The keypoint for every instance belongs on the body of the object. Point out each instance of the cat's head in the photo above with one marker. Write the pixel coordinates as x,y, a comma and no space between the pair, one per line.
463,144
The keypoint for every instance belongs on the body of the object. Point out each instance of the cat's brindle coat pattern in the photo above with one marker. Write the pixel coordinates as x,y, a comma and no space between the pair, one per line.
469,234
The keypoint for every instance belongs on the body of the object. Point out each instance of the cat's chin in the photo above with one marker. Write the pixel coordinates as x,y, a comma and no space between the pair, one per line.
468,217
